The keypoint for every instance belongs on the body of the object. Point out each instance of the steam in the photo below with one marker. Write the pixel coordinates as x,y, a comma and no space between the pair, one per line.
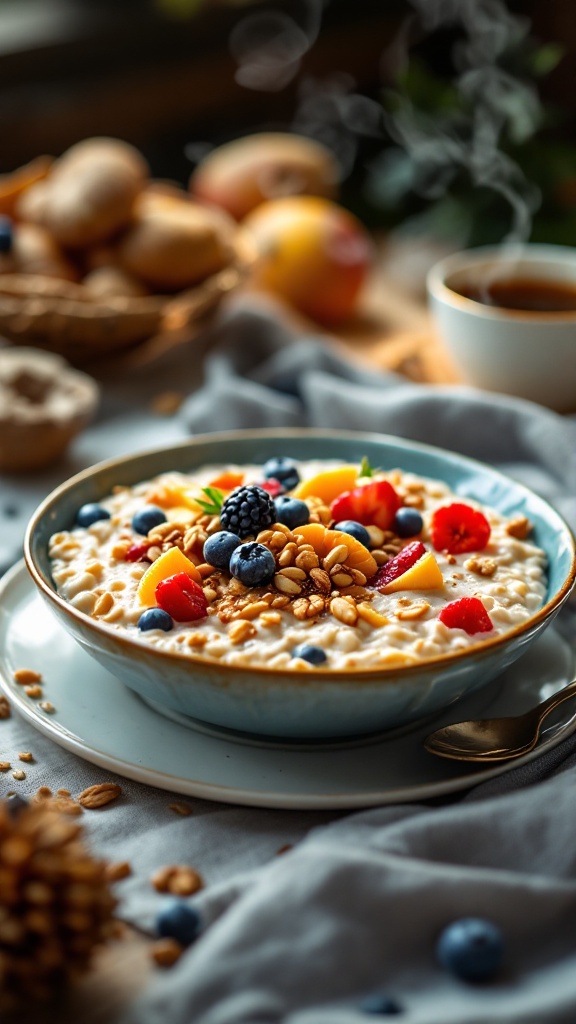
268,47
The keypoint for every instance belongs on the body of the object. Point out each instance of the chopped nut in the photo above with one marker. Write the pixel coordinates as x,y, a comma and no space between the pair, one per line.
285,585
99,795
19,774
117,871
270,618
43,793
321,580
307,559
481,566
5,709
241,630
179,807
178,879
339,553
251,610
34,691
47,706
5,766
280,602
308,607
166,952
344,610
519,527
414,611
24,676
341,579
26,756
379,556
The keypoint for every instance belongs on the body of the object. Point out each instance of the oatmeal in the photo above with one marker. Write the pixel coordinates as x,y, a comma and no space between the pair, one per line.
300,565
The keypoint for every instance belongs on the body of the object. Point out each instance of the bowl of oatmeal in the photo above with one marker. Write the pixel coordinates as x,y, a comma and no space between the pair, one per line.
302,584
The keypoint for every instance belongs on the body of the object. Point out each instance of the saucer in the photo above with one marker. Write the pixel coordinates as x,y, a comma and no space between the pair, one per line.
102,721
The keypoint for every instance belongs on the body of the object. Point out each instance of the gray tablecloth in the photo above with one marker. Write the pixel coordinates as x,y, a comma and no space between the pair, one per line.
357,904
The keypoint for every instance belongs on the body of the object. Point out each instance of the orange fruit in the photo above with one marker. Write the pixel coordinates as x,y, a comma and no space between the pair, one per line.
323,540
328,484
168,564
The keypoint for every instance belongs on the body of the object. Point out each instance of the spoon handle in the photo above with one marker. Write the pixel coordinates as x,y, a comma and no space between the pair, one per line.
555,700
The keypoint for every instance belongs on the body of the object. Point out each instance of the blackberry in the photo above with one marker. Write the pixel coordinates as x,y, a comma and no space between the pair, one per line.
247,511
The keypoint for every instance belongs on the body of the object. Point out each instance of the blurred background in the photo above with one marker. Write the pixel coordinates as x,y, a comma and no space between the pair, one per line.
452,117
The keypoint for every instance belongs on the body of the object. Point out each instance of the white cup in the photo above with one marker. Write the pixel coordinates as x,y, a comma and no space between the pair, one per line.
531,354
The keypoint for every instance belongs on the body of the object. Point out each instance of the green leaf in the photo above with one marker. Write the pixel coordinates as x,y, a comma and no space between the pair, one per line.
366,469
214,504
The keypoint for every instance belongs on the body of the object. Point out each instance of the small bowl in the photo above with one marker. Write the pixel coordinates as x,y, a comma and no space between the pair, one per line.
527,353
320,703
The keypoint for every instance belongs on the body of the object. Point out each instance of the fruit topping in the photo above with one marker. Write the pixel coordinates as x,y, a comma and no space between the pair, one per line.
458,528
182,598
219,547
247,511
91,513
291,512
178,920
374,503
147,518
398,565
227,480
328,484
167,564
425,574
468,613
284,470
310,653
472,948
155,618
137,552
324,540
355,530
253,564
6,234
408,522
272,486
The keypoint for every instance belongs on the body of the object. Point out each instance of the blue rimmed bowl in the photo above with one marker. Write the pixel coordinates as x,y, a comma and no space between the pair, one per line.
323,703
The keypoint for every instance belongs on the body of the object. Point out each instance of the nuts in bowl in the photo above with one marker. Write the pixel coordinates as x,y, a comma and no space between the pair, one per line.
301,584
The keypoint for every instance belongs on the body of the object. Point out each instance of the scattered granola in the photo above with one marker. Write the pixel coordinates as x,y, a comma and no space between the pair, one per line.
184,810
100,795
25,676
177,879
5,709
166,952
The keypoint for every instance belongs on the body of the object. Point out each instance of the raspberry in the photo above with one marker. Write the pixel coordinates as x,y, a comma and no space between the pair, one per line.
137,552
398,565
247,511
468,613
459,528
181,597
374,504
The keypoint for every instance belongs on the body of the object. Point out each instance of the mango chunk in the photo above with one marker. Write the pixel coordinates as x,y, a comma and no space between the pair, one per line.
168,564
329,484
323,540
425,574
168,496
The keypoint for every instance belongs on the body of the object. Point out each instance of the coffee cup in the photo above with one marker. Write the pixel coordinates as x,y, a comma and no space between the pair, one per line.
507,318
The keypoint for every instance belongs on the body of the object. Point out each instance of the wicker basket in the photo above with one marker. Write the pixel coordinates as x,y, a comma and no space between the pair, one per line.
65,318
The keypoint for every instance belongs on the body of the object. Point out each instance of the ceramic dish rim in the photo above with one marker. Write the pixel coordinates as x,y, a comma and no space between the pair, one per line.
368,674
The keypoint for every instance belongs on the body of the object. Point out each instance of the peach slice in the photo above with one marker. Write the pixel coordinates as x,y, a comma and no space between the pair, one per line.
168,564
323,540
227,480
168,496
329,484
425,574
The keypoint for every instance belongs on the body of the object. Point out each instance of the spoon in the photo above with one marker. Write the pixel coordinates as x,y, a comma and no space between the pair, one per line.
495,739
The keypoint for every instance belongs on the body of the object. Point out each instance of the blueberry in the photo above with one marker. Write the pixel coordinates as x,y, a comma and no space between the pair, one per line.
6,236
283,469
155,618
291,512
253,564
91,513
177,920
355,530
219,547
471,948
408,522
147,518
308,652
379,1004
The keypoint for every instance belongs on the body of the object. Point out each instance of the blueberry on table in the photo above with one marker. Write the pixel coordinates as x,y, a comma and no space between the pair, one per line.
218,549
91,513
283,469
311,653
408,522
155,618
472,948
291,512
253,564
147,518
179,921
247,511
380,1005
354,529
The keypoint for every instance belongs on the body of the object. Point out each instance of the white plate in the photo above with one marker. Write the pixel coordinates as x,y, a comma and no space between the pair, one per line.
104,722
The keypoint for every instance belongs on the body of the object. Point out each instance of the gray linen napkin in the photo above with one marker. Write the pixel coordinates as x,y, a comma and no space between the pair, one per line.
357,906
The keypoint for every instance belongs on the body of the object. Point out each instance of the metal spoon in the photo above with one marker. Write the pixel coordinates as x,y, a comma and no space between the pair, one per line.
495,739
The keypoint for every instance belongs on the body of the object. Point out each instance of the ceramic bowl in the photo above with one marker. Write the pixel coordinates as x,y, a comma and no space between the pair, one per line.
527,353
323,703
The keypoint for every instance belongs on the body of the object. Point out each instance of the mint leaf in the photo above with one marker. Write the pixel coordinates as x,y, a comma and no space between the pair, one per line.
366,469
214,504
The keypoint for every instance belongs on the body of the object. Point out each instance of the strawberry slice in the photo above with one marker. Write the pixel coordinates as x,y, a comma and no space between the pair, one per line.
458,528
468,613
374,504
181,597
398,565
138,552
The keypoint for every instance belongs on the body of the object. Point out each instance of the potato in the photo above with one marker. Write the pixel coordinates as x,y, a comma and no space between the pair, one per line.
240,175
